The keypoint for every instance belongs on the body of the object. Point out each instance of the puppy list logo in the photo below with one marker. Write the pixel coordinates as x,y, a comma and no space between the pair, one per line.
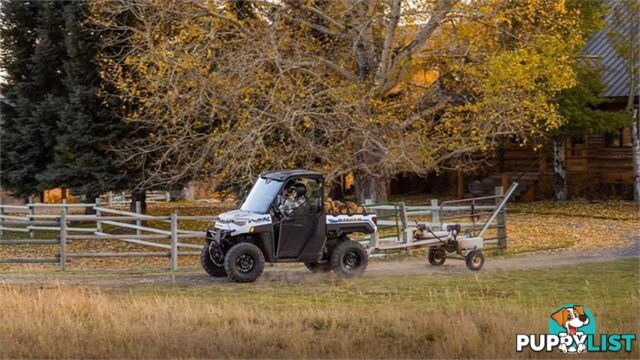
572,330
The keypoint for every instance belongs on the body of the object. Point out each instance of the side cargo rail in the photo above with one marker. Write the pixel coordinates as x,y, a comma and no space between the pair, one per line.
397,221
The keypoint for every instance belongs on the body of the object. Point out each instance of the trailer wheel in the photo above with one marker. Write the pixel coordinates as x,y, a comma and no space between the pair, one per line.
244,262
209,265
318,267
349,259
436,256
475,260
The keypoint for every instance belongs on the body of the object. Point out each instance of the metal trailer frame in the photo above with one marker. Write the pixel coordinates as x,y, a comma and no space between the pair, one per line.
447,240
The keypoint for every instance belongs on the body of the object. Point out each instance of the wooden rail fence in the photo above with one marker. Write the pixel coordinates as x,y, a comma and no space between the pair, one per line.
26,219
396,221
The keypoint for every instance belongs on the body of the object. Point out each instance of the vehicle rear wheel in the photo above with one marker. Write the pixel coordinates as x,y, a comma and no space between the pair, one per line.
349,259
244,262
210,266
318,267
436,256
475,260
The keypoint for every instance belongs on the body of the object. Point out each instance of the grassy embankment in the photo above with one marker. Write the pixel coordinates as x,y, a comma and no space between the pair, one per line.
460,315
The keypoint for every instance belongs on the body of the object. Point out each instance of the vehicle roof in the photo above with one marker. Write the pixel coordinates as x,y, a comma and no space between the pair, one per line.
282,175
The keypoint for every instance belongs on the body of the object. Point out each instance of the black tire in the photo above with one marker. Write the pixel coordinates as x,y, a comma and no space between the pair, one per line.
349,259
209,265
475,260
318,267
244,262
436,256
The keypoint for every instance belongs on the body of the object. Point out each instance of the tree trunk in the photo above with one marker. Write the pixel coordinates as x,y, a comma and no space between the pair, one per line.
635,140
189,192
559,172
371,187
139,195
633,63
337,189
176,195
89,198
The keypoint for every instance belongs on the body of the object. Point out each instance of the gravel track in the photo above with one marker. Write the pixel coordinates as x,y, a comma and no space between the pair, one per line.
298,274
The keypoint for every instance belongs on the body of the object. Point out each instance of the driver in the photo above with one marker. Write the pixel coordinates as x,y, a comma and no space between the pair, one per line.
293,198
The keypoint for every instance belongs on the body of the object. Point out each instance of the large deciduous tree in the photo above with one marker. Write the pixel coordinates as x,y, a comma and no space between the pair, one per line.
228,89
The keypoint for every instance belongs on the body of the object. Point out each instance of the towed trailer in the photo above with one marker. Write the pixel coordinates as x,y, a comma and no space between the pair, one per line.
448,240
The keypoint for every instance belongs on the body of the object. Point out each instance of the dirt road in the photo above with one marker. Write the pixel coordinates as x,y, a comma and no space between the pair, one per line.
291,273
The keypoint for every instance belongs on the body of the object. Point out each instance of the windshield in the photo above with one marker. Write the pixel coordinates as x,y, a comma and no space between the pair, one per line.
261,195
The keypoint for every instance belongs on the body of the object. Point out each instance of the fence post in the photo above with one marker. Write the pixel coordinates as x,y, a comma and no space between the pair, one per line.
63,238
501,220
30,212
435,214
110,199
407,235
98,214
174,241
167,196
138,222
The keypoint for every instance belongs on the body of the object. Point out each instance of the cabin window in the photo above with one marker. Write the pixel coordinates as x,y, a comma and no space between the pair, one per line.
620,138
577,145
577,140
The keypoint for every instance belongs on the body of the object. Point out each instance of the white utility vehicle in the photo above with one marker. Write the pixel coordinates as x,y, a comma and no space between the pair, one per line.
265,229
243,240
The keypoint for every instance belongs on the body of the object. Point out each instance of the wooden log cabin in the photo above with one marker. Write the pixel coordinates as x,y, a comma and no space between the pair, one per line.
599,166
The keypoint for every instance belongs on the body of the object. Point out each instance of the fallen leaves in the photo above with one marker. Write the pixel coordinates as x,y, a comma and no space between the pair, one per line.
530,227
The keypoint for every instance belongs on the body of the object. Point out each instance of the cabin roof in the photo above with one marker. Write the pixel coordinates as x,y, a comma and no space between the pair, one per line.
614,73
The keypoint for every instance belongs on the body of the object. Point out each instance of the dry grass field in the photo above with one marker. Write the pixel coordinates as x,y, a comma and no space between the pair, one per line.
457,315
443,313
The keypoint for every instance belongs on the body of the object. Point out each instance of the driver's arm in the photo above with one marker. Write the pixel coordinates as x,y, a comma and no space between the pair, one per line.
285,206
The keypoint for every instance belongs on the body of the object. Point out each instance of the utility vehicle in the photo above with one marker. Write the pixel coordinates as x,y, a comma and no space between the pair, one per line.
261,231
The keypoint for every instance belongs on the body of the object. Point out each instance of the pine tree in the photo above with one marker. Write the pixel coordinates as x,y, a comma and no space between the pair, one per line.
17,37
58,129
32,41
83,161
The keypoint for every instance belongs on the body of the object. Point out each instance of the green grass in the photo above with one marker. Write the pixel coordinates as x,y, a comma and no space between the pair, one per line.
457,315
615,279
601,281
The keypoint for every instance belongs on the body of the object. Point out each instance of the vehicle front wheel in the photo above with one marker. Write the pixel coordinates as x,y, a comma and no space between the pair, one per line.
318,267
244,262
210,266
475,260
436,256
349,259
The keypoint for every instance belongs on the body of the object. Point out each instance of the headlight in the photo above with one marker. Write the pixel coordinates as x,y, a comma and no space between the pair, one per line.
239,222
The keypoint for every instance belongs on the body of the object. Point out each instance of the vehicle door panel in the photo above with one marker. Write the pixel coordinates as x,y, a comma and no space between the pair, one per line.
295,231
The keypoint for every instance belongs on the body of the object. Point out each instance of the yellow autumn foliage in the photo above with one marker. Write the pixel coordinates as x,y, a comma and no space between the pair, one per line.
370,88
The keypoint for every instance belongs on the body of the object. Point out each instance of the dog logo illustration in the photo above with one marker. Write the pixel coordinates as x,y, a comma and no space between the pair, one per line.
572,330
572,323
